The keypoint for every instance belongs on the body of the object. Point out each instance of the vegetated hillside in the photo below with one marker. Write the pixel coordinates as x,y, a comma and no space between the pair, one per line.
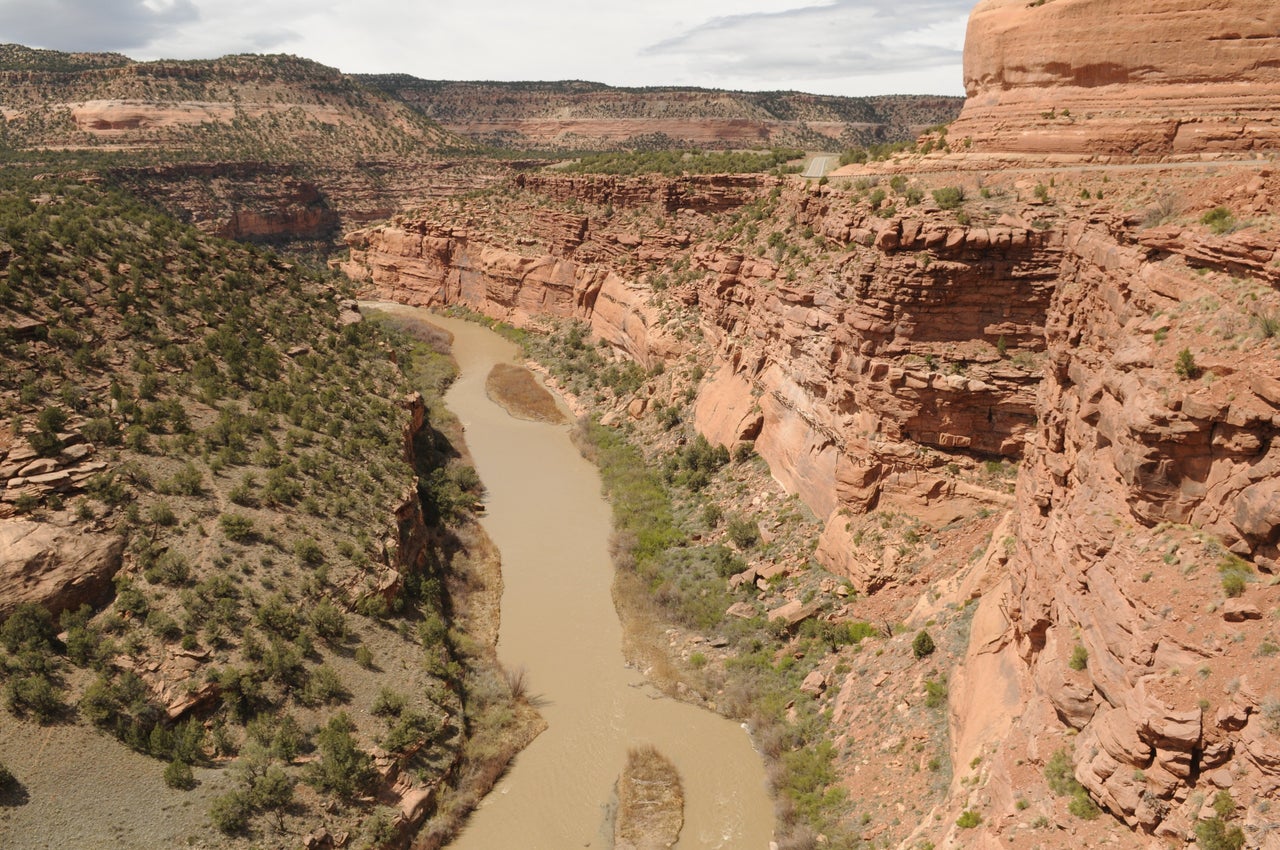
258,148
221,486
575,114
248,107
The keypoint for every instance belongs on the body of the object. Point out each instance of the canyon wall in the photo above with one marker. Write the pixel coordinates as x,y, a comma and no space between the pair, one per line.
859,386
577,115
1121,79
907,352
1144,487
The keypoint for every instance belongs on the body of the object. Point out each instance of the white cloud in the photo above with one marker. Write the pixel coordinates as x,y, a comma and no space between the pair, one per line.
874,41
826,46
91,24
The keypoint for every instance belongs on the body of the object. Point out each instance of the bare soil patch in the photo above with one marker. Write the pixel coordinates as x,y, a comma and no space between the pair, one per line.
650,802
521,395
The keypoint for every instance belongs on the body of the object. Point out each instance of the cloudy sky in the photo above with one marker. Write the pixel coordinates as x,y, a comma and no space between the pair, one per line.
845,47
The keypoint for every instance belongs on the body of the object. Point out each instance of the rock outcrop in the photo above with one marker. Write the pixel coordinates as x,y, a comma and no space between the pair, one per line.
59,568
1121,79
581,115
1142,489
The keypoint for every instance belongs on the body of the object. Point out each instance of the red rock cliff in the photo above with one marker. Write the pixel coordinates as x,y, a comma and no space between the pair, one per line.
1125,78
911,345
858,385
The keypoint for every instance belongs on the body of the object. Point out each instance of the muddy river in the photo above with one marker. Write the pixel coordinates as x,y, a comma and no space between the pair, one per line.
546,514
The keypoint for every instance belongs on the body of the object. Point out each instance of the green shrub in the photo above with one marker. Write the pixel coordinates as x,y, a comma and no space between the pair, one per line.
1220,220
1215,834
308,552
49,423
1224,805
171,568
380,828
1185,366
922,645
949,197
1235,573
328,622
280,617
410,730
230,812
237,527
1079,658
324,687
34,695
343,768
187,481
161,514
1059,773
935,693
1233,585
28,628
743,532
1082,806
388,703
177,774
968,819
1268,324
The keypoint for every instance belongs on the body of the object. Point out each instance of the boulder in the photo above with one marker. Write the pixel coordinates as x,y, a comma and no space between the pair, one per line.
55,566
814,684
1238,610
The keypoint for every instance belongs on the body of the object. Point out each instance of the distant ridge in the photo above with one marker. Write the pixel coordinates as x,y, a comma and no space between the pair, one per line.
570,114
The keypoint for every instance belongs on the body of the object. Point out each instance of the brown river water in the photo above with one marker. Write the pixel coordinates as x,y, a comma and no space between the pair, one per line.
546,514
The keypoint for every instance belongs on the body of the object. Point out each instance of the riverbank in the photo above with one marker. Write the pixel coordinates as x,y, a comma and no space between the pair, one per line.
500,720
544,511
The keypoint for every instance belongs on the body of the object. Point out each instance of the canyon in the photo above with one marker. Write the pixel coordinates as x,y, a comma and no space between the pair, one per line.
1024,386
890,361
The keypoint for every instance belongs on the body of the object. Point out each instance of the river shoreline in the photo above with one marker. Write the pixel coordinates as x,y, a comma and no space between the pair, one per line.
596,703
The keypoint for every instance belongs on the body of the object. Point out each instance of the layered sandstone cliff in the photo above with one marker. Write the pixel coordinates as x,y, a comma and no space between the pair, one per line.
1122,79
858,385
1145,487
884,365
578,115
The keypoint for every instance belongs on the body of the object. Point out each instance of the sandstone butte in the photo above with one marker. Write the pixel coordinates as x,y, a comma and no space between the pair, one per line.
1092,77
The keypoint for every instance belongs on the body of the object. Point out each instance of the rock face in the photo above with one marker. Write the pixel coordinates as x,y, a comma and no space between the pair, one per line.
1137,78
582,115
838,381
59,568
246,201
1140,490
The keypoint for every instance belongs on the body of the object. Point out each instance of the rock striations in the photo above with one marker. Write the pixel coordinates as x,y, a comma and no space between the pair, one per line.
840,382
1122,79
